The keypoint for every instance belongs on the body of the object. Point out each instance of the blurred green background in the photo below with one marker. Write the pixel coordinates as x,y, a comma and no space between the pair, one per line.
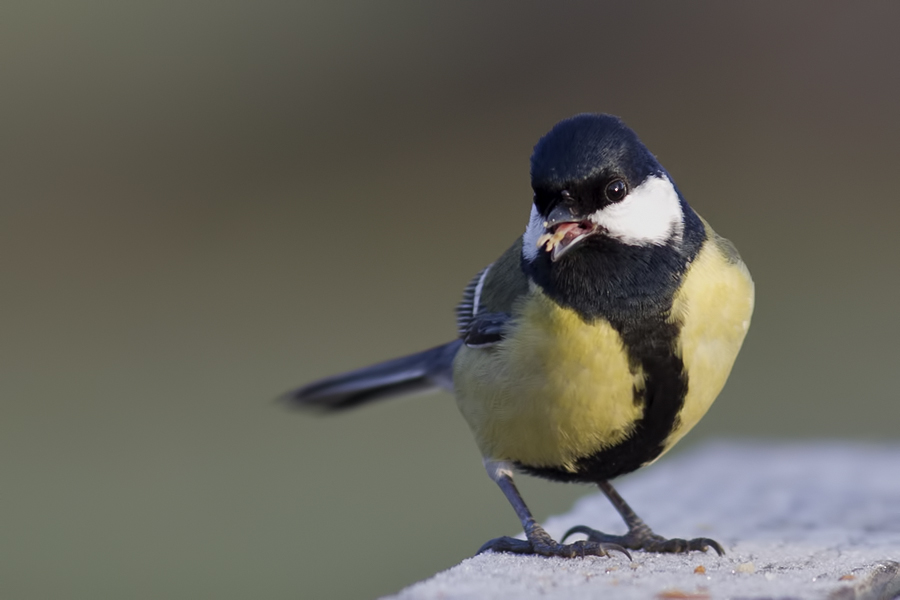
204,204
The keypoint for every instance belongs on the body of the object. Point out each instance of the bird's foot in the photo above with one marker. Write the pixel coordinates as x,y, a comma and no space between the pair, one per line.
643,538
540,543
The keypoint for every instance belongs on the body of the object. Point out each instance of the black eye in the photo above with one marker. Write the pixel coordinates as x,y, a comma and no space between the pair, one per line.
616,190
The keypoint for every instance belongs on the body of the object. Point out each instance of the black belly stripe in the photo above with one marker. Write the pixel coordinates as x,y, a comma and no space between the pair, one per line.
632,288
652,346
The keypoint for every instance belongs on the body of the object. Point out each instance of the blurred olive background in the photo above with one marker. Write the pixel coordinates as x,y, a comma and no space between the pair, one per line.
204,204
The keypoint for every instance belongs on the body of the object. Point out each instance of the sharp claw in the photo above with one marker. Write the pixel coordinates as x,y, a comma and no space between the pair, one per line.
484,548
577,529
618,548
704,544
708,543
506,544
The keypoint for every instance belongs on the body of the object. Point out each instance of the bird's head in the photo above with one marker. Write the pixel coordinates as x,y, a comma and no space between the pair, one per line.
596,187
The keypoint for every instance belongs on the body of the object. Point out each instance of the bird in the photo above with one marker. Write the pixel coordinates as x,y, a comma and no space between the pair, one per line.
593,344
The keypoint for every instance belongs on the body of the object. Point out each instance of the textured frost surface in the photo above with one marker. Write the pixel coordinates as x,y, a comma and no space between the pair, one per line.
796,521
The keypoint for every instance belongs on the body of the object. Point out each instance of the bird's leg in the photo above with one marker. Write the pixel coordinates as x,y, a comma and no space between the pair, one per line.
538,540
640,536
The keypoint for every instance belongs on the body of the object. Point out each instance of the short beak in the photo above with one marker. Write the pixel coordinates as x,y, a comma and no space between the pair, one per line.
564,230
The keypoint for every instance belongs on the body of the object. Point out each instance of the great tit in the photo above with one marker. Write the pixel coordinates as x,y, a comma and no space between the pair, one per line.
593,344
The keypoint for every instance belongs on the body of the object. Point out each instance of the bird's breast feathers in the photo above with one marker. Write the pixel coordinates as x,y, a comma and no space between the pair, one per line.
714,307
558,389
555,389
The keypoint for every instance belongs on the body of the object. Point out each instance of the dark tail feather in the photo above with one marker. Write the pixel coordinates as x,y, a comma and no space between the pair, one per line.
428,370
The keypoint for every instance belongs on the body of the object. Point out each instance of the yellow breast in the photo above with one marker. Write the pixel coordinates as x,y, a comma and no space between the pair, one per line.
714,305
555,390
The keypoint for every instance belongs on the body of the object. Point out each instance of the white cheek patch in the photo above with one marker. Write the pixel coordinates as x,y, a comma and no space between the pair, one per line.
650,215
534,231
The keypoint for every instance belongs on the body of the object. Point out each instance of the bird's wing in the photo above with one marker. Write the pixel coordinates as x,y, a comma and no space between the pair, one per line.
470,305
484,314
486,329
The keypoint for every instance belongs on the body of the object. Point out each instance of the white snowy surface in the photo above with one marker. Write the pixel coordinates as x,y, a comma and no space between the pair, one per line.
796,521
